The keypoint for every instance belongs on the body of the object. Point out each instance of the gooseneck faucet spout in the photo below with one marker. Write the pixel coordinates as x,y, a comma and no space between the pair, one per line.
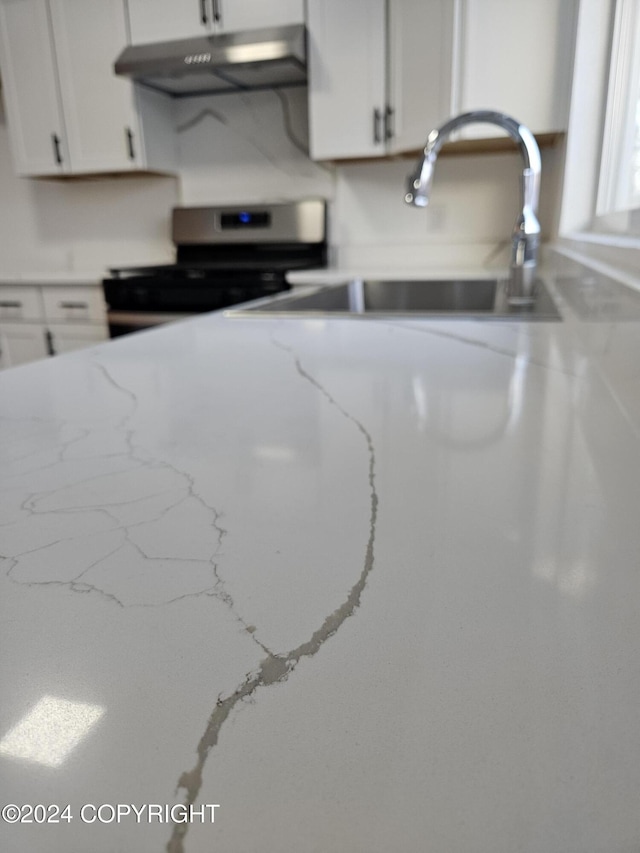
526,232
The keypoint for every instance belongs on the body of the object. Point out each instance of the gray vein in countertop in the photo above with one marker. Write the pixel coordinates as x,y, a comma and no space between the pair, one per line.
186,490
72,584
126,391
59,452
277,668
440,333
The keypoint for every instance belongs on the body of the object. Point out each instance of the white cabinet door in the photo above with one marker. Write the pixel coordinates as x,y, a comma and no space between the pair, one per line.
21,343
347,78
68,337
420,70
99,110
516,57
165,20
34,112
67,113
236,15
380,74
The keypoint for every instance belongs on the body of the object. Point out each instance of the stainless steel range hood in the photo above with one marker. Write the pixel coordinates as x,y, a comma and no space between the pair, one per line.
255,59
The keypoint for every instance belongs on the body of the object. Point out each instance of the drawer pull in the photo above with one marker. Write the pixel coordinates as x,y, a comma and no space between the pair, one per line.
57,153
5,303
80,306
130,147
389,130
377,124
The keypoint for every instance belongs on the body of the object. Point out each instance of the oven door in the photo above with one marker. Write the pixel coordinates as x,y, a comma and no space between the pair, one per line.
125,322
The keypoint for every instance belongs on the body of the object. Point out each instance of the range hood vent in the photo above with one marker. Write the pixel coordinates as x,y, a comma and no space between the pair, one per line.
256,59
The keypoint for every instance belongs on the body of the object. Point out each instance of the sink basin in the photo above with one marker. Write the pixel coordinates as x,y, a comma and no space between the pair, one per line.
474,298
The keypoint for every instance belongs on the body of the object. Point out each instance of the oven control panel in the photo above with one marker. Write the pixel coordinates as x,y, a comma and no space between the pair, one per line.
287,222
245,219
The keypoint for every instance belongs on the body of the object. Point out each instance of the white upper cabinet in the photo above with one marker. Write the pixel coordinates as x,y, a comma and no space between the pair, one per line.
32,99
517,58
347,78
99,109
235,15
379,74
419,60
67,112
432,59
165,20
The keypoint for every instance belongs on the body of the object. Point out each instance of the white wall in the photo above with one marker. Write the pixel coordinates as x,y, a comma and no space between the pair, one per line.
247,148
473,208
588,102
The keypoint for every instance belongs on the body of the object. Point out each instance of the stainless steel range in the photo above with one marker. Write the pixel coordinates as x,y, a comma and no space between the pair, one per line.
224,256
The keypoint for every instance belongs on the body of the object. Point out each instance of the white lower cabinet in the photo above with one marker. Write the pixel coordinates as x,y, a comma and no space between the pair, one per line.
21,343
37,321
66,337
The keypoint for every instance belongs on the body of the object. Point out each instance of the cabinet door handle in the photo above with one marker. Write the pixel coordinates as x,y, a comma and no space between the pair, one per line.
377,126
217,11
79,305
203,13
389,130
48,337
57,153
130,148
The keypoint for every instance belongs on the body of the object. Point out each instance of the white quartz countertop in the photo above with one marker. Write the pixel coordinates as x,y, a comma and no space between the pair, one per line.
337,275
365,585
89,277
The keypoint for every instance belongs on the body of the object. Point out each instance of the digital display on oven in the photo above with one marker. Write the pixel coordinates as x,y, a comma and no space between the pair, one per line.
245,219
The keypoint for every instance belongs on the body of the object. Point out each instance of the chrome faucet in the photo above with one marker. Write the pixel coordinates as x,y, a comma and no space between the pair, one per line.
526,232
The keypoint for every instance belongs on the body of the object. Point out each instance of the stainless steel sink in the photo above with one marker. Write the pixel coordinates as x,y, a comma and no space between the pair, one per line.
473,298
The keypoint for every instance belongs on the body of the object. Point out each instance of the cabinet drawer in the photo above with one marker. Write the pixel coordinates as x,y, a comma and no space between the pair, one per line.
74,304
20,303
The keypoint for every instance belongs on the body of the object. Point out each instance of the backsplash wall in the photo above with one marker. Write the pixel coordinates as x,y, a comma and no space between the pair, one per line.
250,148
474,204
